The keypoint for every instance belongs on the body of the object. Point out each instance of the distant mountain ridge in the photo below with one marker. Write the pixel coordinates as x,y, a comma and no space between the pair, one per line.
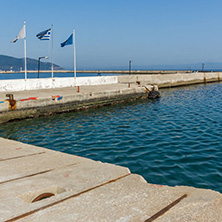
16,64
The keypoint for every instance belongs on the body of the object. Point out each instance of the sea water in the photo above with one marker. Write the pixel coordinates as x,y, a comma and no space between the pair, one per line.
18,75
173,140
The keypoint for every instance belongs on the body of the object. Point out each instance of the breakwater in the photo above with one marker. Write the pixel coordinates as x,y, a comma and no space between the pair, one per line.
36,97
172,80
161,80
35,103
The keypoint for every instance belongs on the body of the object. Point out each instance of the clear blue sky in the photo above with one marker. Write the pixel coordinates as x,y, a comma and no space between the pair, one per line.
111,32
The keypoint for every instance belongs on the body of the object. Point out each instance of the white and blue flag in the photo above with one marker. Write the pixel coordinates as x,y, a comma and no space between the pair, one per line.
44,35
21,34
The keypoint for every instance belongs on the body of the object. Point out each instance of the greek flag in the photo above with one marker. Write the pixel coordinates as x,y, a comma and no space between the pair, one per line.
45,35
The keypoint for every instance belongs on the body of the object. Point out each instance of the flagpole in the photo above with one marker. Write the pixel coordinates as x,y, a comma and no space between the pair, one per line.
74,51
25,51
52,49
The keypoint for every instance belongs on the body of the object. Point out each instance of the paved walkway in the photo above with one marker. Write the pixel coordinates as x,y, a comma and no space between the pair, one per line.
35,103
45,93
38,184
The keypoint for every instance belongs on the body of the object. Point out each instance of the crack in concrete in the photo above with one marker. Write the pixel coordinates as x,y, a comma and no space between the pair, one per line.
165,209
12,158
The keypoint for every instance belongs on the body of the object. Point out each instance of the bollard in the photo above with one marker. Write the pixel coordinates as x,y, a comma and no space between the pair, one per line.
78,89
205,80
128,85
12,101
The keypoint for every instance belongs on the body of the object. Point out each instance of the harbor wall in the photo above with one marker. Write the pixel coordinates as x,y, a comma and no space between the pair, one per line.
48,102
49,83
162,80
51,96
170,80
64,182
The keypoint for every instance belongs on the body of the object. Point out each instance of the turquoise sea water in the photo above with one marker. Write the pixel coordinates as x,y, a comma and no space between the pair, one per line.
174,140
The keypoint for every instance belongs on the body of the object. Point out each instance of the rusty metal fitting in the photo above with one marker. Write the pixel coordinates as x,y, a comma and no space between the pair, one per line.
12,101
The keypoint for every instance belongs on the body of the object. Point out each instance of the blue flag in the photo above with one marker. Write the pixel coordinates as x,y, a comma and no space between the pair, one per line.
45,35
69,41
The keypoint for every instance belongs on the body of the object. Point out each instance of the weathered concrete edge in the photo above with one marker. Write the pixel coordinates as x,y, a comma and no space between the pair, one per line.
168,79
46,107
49,83
172,80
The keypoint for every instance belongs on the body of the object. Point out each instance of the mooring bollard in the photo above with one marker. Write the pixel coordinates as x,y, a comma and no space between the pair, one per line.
12,101
205,80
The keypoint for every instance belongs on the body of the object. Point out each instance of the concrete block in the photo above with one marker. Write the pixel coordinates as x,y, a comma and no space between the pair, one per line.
201,205
127,199
17,196
29,165
79,189
10,149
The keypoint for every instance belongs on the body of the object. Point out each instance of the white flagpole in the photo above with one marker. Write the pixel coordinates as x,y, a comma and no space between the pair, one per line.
74,50
52,49
25,50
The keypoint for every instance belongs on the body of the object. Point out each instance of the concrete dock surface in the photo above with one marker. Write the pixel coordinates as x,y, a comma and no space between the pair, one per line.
48,93
35,103
38,184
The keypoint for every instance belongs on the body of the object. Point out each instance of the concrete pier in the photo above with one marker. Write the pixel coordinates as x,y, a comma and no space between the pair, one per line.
38,184
35,103
50,96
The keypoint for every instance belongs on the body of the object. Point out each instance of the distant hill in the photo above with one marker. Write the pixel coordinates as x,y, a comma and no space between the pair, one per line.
6,62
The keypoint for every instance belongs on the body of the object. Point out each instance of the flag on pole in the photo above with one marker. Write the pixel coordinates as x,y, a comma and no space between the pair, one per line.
69,41
47,35
21,34
44,35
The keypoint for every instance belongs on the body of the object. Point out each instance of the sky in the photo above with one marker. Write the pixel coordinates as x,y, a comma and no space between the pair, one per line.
109,33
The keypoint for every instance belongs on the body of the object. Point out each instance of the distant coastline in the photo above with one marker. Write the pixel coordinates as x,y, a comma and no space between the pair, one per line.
138,72
103,71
